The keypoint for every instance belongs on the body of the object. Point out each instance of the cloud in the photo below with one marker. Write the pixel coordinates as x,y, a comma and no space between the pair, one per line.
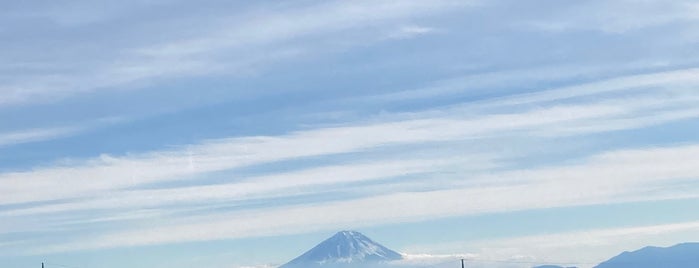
26,136
222,44
621,176
431,260
503,81
603,16
516,131
44,134
113,184
458,124
264,186
411,31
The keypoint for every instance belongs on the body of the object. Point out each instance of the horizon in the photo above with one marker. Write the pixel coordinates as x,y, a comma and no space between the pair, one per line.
324,252
240,134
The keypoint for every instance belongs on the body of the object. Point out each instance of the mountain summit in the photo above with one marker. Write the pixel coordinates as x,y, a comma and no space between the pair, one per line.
344,249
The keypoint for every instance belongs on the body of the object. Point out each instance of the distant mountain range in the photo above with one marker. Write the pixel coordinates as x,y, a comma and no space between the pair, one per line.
684,255
678,256
345,249
348,249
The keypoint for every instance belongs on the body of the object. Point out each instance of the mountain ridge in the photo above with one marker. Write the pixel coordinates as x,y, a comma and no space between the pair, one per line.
680,255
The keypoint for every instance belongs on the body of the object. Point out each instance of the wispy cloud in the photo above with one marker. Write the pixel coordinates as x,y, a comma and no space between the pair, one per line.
614,176
224,45
604,179
411,31
635,16
44,134
35,135
412,111
216,155
265,186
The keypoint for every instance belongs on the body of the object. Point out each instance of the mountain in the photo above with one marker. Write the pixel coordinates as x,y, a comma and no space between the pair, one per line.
344,249
682,255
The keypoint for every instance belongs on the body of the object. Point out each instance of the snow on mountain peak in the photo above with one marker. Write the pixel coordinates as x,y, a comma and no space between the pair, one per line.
345,247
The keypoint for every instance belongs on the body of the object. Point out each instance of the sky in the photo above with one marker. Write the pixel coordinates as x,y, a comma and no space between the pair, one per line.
241,133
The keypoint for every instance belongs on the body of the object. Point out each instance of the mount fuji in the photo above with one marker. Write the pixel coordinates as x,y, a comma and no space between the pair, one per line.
345,249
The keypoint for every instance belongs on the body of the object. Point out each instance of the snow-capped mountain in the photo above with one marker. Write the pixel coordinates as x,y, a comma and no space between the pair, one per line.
682,255
344,249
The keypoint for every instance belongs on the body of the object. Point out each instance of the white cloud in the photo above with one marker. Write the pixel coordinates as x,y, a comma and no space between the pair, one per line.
265,27
265,186
673,82
411,31
44,134
432,260
109,173
669,80
618,17
471,144
223,44
111,182
622,176
26,136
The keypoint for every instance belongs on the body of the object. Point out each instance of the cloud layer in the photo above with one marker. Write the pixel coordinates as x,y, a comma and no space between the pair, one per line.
146,125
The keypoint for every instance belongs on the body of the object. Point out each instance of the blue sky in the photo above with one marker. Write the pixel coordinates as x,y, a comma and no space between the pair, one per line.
238,134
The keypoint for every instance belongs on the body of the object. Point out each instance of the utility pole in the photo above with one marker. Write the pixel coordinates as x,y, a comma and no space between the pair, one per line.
462,263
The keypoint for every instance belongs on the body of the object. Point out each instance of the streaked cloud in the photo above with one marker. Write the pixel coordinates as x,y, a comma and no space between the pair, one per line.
44,134
605,179
411,31
635,16
35,135
614,176
274,120
249,38
217,155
